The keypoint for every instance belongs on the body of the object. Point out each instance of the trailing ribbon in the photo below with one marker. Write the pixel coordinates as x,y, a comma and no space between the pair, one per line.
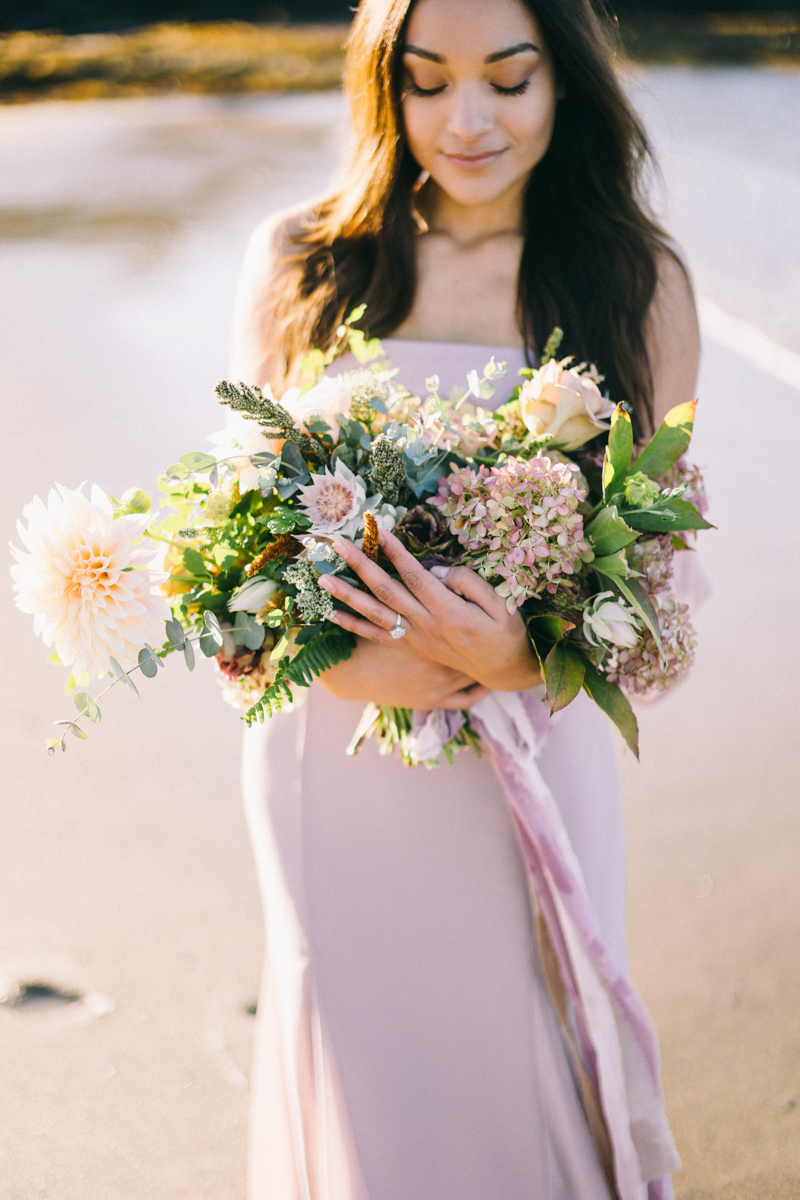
610,1029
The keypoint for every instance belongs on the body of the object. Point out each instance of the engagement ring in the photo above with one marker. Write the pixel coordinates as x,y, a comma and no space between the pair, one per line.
399,630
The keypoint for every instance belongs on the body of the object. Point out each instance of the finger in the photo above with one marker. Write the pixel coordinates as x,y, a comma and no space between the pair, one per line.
363,602
421,583
471,586
388,591
465,698
365,629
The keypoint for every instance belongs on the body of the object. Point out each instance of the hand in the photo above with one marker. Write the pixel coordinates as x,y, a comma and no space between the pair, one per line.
394,675
459,621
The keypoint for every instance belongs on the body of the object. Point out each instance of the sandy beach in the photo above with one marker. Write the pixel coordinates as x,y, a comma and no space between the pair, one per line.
126,873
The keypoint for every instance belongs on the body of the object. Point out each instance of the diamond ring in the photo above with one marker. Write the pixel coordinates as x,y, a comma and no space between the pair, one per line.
399,628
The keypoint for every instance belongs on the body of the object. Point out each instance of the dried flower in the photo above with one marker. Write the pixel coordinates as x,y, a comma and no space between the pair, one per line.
285,544
371,543
517,522
82,578
639,671
653,558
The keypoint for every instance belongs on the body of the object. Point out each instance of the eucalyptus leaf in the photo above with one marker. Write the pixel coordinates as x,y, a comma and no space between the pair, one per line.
196,460
77,732
86,705
176,471
52,744
188,654
668,443
211,622
124,676
209,645
175,633
147,664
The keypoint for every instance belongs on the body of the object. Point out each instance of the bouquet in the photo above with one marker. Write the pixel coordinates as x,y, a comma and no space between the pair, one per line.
547,498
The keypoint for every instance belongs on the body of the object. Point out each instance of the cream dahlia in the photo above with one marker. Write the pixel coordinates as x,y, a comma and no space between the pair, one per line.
82,579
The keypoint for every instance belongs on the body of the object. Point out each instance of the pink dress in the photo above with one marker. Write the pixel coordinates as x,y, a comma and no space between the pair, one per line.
407,1047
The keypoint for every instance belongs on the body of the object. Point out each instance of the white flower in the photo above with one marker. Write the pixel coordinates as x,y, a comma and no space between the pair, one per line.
240,439
387,515
333,500
80,579
565,403
610,622
325,399
252,595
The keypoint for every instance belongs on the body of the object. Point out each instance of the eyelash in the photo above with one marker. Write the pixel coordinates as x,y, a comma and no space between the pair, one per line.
501,91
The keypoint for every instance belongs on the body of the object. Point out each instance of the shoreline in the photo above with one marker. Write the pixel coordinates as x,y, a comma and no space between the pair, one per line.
235,57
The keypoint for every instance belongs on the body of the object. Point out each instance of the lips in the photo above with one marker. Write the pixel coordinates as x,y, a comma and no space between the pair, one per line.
474,162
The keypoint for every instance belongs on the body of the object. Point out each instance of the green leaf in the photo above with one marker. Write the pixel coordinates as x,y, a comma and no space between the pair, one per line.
274,619
618,451
77,732
280,646
188,654
123,675
211,622
550,626
668,443
194,563
147,664
608,532
611,564
564,668
326,650
85,704
176,471
52,744
679,515
614,703
209,645
175,633
196,460
224,555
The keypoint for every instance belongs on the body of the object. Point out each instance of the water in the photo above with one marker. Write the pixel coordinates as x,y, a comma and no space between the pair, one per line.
125,862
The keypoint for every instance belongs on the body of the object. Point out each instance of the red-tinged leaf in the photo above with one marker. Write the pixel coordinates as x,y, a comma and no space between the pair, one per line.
614,703
563,668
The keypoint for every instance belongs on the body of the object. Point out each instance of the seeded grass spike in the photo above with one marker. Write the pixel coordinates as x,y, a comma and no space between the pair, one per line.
285,544
371,544
272,417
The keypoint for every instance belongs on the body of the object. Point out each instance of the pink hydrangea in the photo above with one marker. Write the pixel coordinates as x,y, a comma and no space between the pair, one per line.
652,558
517,522
640,671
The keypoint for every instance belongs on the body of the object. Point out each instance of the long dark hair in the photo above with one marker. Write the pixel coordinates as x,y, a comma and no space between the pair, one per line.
590,255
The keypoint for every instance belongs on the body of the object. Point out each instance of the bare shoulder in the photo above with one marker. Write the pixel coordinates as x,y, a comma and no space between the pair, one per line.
673,337
270,244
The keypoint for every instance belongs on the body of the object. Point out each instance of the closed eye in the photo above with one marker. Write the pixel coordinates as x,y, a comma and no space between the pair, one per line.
416,90
512,91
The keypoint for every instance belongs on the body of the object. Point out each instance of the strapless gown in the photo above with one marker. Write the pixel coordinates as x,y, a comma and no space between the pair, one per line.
407,1047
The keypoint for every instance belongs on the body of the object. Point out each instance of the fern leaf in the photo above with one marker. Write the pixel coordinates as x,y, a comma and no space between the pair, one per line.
328,648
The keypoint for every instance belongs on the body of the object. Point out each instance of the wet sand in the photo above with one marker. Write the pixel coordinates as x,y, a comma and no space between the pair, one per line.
126,871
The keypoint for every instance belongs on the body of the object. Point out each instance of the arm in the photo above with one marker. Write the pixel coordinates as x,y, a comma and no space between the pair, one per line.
672,338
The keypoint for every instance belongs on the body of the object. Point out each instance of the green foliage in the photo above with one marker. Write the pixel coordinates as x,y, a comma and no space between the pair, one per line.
194,563
123,676
274,697
614,703
666,516
668,443
330,647
552,344
564,670
639,598
86,705
608,532
273,418
618,452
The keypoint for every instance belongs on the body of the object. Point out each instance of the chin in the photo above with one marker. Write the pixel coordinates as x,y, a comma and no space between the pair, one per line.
475,191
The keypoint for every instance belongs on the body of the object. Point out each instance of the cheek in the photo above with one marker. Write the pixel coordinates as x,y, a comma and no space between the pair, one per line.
531,124
421,125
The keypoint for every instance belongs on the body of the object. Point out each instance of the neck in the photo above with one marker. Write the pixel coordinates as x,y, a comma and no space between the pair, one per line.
469,225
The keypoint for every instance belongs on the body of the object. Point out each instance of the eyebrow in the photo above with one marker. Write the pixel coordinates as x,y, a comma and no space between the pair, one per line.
490,58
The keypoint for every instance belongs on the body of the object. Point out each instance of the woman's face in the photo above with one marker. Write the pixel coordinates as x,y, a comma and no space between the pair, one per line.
479,96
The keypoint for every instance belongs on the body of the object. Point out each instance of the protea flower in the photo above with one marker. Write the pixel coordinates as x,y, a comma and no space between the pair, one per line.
333,499
82,579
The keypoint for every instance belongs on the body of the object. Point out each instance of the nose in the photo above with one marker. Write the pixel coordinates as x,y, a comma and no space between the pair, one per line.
470,117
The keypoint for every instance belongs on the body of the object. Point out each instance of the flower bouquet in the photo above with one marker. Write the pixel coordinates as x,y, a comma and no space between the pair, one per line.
547,498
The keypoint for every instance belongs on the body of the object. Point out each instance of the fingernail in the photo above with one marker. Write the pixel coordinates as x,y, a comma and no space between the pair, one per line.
439,572
326,583
341,547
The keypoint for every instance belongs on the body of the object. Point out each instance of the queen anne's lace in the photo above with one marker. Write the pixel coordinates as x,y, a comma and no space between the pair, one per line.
517,522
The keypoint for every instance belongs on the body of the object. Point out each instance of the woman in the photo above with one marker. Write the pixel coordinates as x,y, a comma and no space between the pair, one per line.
408,1046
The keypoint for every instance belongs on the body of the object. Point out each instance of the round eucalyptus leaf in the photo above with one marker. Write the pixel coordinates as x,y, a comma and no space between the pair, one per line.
156,658
196,460
175,633
147,664
209,645
188,654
